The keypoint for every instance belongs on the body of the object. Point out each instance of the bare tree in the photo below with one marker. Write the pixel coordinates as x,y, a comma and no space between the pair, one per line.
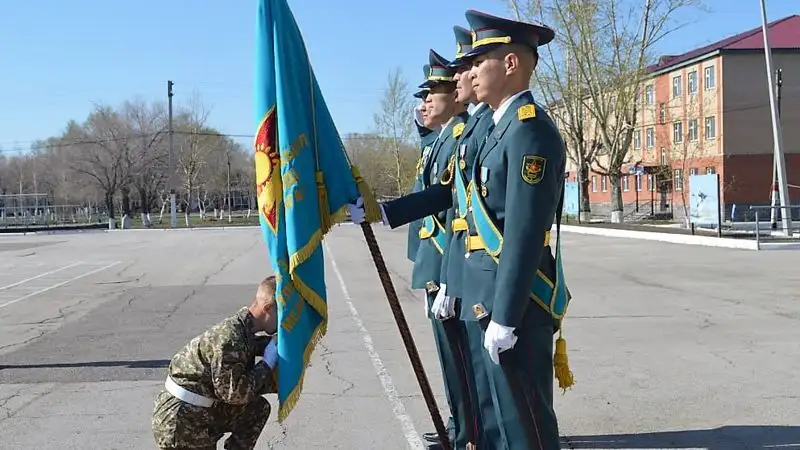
394,125
148,123
609,45
196,141
100,150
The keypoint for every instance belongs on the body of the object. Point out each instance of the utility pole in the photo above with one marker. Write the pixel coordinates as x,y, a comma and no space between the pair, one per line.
774,202
230,206
780,163
173,211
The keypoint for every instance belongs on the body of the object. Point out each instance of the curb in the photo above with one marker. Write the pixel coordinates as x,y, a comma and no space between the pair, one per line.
222,228
685,239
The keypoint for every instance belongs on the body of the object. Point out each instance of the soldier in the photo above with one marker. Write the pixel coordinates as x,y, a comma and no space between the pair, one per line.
427,138
453,258
512,282
436,170
215,386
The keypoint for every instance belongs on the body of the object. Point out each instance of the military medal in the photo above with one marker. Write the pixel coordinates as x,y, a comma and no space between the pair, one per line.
462,150
484,179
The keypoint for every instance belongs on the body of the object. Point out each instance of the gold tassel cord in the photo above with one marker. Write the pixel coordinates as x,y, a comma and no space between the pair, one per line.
325,219
371,210
561,364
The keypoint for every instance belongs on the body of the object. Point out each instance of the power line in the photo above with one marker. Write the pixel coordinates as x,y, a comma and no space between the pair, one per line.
74,142
357,136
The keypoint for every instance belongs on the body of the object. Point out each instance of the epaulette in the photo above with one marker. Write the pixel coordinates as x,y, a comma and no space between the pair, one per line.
458,129
526,112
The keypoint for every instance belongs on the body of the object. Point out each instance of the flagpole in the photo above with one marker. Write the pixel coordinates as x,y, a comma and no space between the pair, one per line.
777,133
405,333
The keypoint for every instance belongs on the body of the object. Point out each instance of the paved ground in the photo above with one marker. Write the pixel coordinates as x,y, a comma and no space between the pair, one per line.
673,346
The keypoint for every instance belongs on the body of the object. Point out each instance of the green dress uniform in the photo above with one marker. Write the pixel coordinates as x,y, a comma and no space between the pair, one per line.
511,276
427,138
449,335
453,258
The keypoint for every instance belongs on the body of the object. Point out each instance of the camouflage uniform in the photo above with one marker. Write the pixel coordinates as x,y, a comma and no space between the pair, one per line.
219,364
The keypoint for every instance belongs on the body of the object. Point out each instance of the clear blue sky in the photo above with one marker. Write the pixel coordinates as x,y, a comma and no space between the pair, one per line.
58,57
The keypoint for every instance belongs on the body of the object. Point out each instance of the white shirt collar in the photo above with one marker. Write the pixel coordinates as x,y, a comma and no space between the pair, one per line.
473,108
504,106
444,127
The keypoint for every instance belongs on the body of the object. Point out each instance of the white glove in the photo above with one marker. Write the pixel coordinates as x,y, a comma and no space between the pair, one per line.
443,305
271,354
357,214
384,219
497,339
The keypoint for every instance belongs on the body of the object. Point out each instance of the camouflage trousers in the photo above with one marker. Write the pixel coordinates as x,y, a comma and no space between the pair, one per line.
179,425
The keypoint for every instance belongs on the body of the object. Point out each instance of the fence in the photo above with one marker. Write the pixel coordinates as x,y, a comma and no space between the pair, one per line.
37,210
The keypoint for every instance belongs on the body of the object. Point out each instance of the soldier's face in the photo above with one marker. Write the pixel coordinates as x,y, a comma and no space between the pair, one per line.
488,76
422,109
464,91
442,101
426,117
271,319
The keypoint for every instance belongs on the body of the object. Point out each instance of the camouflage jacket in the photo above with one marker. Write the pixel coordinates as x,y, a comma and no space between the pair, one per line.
220,363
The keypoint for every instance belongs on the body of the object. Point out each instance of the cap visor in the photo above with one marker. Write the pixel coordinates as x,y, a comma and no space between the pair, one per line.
480,51
459,62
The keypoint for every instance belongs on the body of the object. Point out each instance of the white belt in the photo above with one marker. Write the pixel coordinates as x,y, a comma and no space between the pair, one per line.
187,396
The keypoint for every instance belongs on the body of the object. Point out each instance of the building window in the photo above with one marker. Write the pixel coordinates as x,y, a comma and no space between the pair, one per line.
711,170
711,127
651,182
625,183
662,113
594,183
637,139
663,157
677,132
604,183
678,179
693,171
676,86
649,95
638,183
693,130
651,137
691,82
709,75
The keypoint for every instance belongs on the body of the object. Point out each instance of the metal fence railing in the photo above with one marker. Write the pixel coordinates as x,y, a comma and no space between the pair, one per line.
758,210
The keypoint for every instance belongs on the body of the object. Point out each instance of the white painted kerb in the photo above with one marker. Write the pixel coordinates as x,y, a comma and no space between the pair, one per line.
686,239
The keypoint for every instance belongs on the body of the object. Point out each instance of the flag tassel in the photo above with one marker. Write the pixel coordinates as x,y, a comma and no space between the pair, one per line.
371,211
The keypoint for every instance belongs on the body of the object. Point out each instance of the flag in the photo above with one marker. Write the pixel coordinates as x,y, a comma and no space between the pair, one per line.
304,181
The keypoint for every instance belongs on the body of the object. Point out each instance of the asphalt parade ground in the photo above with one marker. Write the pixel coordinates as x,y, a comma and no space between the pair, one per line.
672,346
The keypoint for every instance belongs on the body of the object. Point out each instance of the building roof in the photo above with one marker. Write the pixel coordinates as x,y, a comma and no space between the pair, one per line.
783,34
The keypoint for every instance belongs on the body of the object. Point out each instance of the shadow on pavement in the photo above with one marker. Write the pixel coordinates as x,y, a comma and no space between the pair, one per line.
143,364
723,438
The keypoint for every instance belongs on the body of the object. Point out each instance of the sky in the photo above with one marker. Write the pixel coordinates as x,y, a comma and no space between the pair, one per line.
59,58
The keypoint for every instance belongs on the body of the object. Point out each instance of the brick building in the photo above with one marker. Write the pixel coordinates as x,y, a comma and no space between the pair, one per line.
707,111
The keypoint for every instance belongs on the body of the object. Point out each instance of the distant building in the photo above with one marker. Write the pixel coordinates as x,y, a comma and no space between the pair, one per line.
707,111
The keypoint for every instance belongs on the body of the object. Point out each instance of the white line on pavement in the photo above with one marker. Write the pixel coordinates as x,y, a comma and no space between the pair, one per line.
410,432
57,285
50,272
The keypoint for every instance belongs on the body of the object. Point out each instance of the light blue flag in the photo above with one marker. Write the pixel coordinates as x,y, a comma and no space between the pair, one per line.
296,138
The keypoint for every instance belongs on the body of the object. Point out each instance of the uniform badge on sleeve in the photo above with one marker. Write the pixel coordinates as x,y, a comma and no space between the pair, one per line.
533,168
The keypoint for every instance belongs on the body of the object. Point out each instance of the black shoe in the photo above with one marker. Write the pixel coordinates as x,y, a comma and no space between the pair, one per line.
431,437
